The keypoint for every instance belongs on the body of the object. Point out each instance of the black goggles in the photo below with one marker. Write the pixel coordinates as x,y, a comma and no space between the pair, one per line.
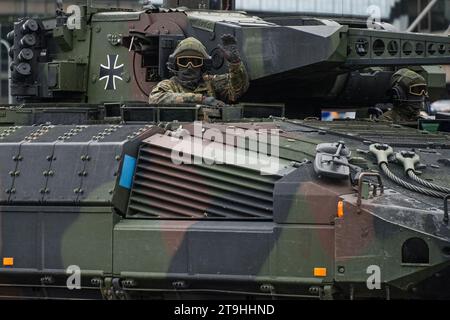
186,61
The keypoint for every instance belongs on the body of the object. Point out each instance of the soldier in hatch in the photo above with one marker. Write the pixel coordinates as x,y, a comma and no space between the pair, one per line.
409,95
189,63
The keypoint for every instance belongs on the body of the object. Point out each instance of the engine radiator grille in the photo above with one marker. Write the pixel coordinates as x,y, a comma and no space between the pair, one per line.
164,190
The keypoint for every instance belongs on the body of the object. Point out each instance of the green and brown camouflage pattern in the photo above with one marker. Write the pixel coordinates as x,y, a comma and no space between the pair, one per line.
226,87
300,61
181,230
108,199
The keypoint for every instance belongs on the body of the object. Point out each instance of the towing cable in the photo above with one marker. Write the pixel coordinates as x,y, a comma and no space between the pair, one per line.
409,159
382,153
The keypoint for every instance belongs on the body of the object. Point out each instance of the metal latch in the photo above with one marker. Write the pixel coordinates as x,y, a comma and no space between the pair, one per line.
361,183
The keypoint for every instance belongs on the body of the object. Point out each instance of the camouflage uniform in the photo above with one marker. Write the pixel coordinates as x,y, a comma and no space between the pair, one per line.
404,110
227,87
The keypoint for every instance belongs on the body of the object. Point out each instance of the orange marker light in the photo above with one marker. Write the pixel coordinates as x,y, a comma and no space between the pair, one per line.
8,262
320,272
340,209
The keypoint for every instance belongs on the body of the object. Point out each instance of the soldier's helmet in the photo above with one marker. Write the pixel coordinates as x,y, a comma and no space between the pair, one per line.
408,85
191,46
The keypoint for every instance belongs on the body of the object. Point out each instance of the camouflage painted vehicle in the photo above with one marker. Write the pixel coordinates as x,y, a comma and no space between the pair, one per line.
88,179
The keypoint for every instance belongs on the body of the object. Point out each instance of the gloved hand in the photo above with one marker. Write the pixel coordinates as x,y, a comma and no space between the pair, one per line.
213,102
229,49
375,112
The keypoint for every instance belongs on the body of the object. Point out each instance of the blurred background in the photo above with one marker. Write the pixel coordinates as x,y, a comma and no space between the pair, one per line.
435,14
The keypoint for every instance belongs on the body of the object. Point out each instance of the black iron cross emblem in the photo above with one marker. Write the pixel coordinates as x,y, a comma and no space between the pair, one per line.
111,72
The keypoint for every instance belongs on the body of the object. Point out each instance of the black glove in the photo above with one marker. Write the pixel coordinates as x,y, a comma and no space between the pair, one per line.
375,112
229,49
213,102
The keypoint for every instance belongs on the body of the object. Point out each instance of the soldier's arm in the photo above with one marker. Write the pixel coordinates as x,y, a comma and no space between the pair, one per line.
231,86
164,93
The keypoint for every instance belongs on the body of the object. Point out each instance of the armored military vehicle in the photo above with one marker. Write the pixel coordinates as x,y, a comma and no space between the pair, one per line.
90,191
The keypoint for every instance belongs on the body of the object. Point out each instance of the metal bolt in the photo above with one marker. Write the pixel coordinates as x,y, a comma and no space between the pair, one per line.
13,190
314,290
266,288
45,173
47,280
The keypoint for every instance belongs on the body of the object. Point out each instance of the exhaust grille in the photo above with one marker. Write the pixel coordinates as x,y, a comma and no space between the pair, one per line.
164,190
